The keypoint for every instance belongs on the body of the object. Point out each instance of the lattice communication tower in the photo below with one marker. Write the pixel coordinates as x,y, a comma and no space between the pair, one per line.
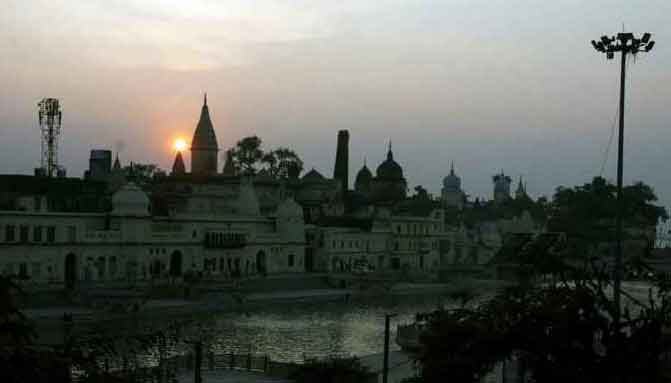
50,117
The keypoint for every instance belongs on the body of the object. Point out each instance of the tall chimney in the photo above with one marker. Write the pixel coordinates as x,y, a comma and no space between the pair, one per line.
340,172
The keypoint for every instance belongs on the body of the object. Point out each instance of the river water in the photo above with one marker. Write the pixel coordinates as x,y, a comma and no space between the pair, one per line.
285,332
293,332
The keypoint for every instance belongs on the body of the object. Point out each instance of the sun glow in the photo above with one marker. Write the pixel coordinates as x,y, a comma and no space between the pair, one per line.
179,145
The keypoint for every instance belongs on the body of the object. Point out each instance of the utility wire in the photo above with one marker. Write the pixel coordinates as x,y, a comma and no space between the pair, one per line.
613,127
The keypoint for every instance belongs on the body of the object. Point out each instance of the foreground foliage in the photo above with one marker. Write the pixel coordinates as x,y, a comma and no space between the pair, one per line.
558,322
334,370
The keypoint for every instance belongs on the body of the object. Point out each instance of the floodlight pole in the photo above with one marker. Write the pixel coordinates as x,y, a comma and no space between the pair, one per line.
617,280
624,43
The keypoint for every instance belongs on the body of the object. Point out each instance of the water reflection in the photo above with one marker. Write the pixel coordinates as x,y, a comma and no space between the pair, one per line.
285,332
292,333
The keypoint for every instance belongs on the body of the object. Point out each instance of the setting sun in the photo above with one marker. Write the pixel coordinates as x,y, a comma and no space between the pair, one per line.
180,145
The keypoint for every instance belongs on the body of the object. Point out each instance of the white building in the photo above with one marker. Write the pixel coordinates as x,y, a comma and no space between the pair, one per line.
384,242
129,244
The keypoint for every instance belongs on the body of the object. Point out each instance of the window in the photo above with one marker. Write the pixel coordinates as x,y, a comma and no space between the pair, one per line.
51,233
112,266
9,233
334,244
37,234
291,260
398,229
36,270
72,233
23,233
100,265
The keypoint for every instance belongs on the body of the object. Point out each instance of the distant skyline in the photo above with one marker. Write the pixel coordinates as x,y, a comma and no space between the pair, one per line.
490,85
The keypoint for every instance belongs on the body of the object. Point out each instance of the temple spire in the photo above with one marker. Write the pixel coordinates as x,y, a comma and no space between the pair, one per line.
390,154
178,167
117,164
451,168
204,148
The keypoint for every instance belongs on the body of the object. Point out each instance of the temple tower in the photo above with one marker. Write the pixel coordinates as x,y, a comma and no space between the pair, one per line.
204,148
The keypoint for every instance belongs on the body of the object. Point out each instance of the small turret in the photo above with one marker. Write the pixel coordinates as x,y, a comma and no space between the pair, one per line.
521,191
178,168
229,166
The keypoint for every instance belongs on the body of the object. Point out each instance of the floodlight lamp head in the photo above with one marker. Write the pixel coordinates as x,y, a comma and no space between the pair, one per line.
648,47
646,38
624,37
605,40
610,55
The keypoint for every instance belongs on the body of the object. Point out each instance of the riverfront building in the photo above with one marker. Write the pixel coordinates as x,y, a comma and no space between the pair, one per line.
118,224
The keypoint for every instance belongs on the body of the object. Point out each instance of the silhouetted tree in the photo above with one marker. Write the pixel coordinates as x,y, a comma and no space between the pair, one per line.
281,161
333,370
141,174
248,157
561,331
247,154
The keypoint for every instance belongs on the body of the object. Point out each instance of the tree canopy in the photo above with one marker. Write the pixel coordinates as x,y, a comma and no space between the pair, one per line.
333,370
249,157
559,331
566,328
593,206
141,174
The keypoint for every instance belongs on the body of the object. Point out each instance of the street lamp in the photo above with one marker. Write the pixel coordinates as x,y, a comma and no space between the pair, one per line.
625,43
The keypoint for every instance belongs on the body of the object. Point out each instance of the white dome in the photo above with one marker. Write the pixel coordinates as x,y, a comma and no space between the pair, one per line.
130,200
289,209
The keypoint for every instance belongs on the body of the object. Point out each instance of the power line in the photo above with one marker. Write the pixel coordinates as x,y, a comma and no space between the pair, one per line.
606,153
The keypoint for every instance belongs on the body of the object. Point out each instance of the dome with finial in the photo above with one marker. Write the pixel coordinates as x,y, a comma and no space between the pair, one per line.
204,136
389,169
130,200
452,181
363,178
312,176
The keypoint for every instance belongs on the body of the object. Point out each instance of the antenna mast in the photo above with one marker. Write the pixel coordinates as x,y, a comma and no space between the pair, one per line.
50,115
